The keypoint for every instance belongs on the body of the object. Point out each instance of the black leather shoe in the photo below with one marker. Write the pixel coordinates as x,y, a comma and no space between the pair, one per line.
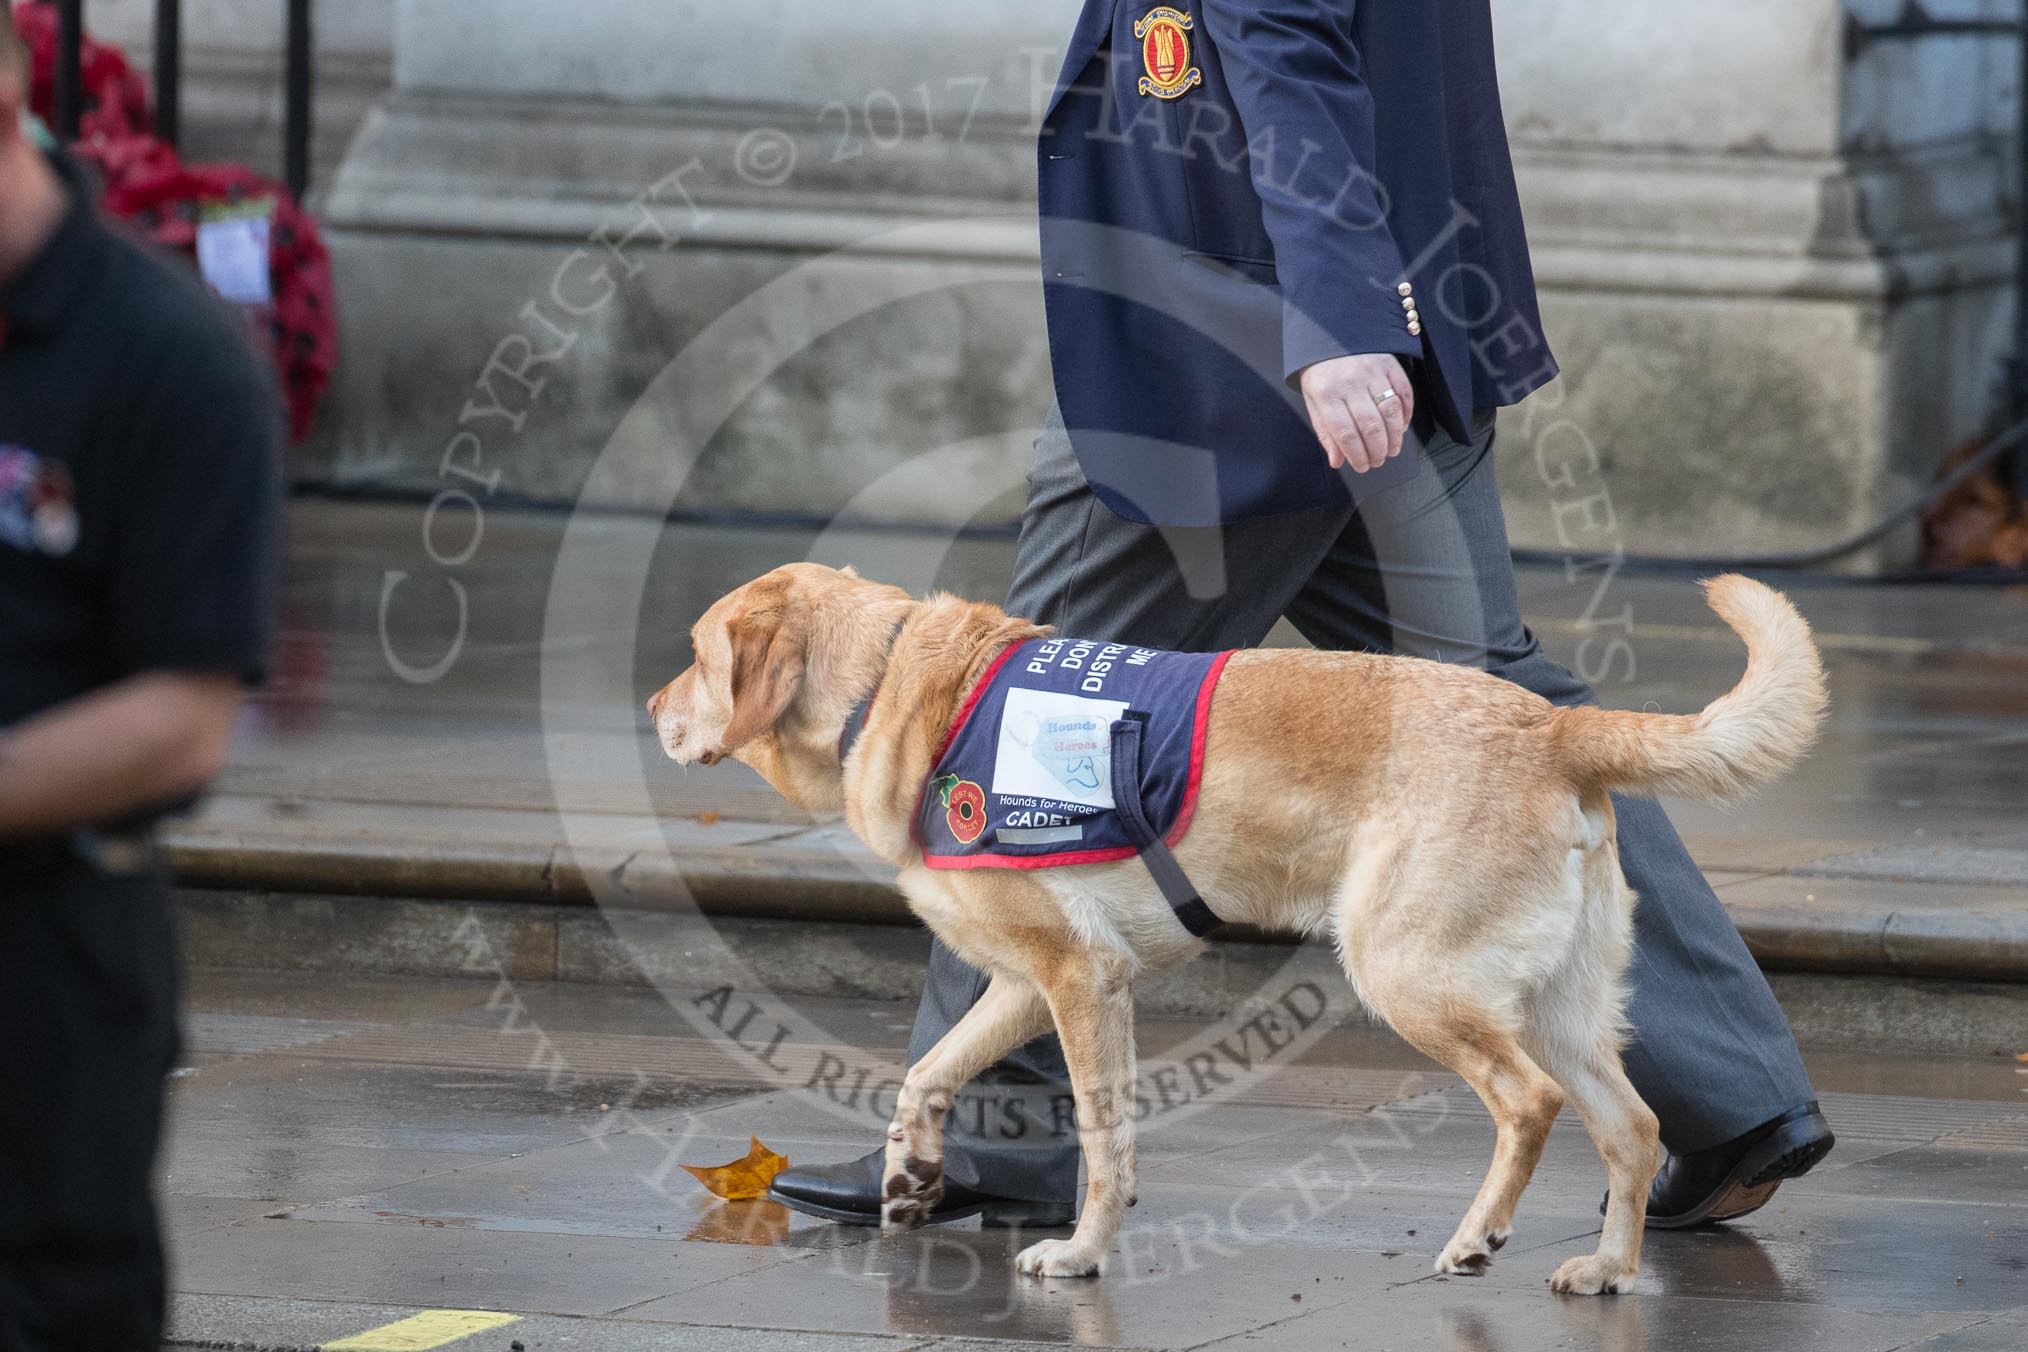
849,1193
1729,1181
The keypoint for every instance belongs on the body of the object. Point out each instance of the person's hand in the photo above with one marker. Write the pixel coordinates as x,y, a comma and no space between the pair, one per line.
1359,408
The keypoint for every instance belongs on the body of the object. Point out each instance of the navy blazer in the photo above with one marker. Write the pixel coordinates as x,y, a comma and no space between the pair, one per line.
1232,190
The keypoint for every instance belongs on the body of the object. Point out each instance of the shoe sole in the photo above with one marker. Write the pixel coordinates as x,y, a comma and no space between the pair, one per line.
993,1215
1790,1152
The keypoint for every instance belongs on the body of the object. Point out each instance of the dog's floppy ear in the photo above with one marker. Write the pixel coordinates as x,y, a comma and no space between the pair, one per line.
767,671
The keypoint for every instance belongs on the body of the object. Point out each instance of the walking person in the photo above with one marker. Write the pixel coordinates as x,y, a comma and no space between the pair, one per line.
139,501
1288,288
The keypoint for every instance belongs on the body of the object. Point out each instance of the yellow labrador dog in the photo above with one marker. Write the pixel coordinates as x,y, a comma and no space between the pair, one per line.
1449,832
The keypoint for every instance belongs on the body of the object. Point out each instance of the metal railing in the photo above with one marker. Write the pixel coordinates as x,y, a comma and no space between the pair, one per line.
297,80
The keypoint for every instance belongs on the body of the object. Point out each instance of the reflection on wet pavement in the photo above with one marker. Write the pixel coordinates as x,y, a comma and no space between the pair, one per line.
758,1222
296,1181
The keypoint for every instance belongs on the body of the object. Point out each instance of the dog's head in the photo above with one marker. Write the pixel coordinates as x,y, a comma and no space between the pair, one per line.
752,651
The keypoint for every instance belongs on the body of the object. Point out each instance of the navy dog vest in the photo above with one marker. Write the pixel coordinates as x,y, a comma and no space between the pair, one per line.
1074,752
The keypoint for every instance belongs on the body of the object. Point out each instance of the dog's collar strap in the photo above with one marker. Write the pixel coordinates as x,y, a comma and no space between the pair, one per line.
855,722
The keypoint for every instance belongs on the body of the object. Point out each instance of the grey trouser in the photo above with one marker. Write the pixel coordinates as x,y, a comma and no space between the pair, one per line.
1421,569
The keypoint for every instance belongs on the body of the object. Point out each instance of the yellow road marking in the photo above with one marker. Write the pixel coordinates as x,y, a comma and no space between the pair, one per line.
431,1328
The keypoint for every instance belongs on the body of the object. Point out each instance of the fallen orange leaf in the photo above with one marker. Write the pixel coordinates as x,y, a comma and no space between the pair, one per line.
707,819
743,1179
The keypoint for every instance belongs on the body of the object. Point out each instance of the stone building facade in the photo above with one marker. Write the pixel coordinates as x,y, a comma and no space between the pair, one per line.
1776,251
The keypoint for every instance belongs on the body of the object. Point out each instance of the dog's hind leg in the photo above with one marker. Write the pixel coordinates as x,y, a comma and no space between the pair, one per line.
1627,1136
1476,1043
1574,1031
1524,1102
1091,996
1010,1012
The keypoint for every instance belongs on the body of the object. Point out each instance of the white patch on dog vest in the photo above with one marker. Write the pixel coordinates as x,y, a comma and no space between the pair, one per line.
1056,746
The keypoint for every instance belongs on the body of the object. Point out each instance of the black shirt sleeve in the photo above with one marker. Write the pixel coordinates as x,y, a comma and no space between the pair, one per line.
194,562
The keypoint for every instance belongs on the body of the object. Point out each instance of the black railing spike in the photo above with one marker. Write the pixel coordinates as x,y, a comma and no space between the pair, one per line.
169,71
296,96
69,69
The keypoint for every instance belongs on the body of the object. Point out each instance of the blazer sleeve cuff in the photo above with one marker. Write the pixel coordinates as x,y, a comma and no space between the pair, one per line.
1305,342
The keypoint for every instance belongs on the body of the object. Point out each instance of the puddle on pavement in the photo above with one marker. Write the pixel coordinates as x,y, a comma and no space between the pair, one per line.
760,1223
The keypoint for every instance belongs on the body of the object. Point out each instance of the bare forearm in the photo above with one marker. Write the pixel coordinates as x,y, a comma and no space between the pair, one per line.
141,743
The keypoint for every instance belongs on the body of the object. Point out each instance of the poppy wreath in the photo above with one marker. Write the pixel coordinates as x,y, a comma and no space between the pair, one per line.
148,184
166,199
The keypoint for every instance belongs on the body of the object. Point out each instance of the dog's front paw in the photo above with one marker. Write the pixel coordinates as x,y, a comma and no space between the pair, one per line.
1462,1258
1593,1274
908,1196
1059,1258
1469,1255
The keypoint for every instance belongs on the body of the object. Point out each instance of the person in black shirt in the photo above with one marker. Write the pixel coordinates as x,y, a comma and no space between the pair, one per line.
139,524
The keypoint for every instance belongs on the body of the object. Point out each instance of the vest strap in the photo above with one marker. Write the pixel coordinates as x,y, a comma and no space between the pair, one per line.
1154,851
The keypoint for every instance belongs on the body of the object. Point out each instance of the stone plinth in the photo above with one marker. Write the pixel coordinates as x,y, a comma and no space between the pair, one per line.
1775,264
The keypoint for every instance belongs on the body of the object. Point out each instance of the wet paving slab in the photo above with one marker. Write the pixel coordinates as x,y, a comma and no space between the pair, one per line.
209,1322
447,1265
625,1184
1826,1251
312,1193
1453,1317
447,1109
2002,1333
964,1281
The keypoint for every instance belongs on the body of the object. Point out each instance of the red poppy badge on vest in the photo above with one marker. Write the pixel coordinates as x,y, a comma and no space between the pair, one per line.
964,806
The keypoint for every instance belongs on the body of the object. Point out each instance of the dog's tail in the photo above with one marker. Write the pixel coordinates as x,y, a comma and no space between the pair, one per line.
1743,739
